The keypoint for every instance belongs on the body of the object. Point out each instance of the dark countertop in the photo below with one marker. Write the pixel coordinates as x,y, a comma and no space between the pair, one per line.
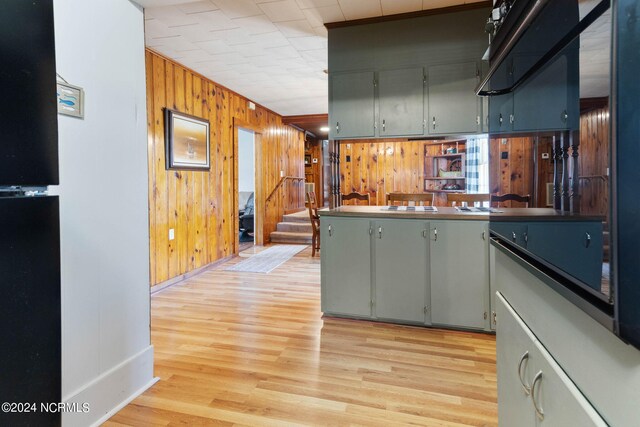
445,212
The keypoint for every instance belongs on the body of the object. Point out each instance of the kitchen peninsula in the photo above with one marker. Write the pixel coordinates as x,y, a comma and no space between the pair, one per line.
425,268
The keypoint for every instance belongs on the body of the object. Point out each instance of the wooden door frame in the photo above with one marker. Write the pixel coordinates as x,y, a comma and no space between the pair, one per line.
258,196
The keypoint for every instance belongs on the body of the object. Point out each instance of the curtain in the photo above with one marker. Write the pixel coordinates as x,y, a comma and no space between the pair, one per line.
477,165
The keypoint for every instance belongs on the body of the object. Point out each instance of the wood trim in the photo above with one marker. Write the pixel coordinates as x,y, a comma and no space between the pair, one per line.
590,104
307,118
409,15
179,279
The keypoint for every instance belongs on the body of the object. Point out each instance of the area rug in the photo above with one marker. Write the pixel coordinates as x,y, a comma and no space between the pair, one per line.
267,260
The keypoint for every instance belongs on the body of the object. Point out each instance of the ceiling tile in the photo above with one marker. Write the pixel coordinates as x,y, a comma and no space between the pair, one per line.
308,4
283,10
197,7
298,28
308,43
238,8
393,7
215,47
257,24
357,9
321,15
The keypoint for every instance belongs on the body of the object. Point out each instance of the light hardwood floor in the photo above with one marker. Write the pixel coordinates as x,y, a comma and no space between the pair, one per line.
252,349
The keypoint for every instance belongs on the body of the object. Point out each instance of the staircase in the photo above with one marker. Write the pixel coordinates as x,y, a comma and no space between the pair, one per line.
294,229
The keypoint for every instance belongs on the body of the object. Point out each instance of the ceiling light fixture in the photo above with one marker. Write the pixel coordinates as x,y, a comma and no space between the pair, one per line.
324,129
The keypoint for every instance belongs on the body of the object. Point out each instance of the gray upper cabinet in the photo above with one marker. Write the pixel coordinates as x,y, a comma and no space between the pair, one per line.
399,52
453,106
401,102
351,105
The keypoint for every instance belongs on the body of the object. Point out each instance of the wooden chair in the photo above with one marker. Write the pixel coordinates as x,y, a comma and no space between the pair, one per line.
315,222
355,196
416,198
497,199
457,198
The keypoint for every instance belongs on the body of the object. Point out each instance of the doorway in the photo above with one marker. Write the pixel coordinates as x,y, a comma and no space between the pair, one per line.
246,188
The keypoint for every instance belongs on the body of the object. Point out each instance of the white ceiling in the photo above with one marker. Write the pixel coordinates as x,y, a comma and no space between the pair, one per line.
271,51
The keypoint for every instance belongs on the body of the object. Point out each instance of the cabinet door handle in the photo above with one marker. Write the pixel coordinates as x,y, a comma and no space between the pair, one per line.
435,234
484,235
587,240
337,127
330,230
513,236
525,236
434,122
384,125
564,116
526,388
380,232
424,233
495,317
511,118
537,379
500,120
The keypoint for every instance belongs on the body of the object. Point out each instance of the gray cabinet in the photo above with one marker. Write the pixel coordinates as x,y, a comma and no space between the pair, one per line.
514,345
533,390
351,105
574,247
542,101
460,273
547,101
401,254
401,102
453,106
346,266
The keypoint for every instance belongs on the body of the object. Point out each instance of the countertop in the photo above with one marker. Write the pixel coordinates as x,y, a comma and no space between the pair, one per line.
445,212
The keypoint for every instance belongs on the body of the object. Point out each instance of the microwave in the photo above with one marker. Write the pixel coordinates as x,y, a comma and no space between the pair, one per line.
563,80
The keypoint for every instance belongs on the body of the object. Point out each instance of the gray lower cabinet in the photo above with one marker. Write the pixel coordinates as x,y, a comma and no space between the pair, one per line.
533,390
453,106
401,254
401,102
460,273
352,108
346,266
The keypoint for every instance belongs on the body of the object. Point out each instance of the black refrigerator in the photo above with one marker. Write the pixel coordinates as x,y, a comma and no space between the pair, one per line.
30,326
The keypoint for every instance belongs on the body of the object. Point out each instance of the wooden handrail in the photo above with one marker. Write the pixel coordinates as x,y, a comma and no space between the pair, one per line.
282,180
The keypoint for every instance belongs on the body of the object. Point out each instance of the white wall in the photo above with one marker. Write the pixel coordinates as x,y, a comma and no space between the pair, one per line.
106,353
246,160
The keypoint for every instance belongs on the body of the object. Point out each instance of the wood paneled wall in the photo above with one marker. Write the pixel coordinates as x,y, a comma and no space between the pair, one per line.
378,167
515,174
199,206
594,161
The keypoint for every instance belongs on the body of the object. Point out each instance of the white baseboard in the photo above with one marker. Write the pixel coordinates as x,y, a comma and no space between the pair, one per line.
111,391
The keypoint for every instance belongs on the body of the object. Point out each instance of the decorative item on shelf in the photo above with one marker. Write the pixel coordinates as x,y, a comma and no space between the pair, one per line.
456,165
451,187
450,174
452,150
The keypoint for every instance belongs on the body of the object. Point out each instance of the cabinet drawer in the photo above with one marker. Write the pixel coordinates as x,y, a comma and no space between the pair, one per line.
575,248
514,232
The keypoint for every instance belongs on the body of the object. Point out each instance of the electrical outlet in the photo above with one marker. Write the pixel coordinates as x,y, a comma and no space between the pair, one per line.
281,174
545,155
172,234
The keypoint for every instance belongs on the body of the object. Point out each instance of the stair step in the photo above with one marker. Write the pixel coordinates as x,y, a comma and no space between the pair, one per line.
302,216
296,227
290,237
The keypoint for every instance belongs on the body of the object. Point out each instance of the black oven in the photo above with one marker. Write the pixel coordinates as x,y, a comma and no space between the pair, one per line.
563,82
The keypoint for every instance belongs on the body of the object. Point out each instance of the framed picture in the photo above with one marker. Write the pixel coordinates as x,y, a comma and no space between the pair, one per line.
186,141
70,100
307,159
